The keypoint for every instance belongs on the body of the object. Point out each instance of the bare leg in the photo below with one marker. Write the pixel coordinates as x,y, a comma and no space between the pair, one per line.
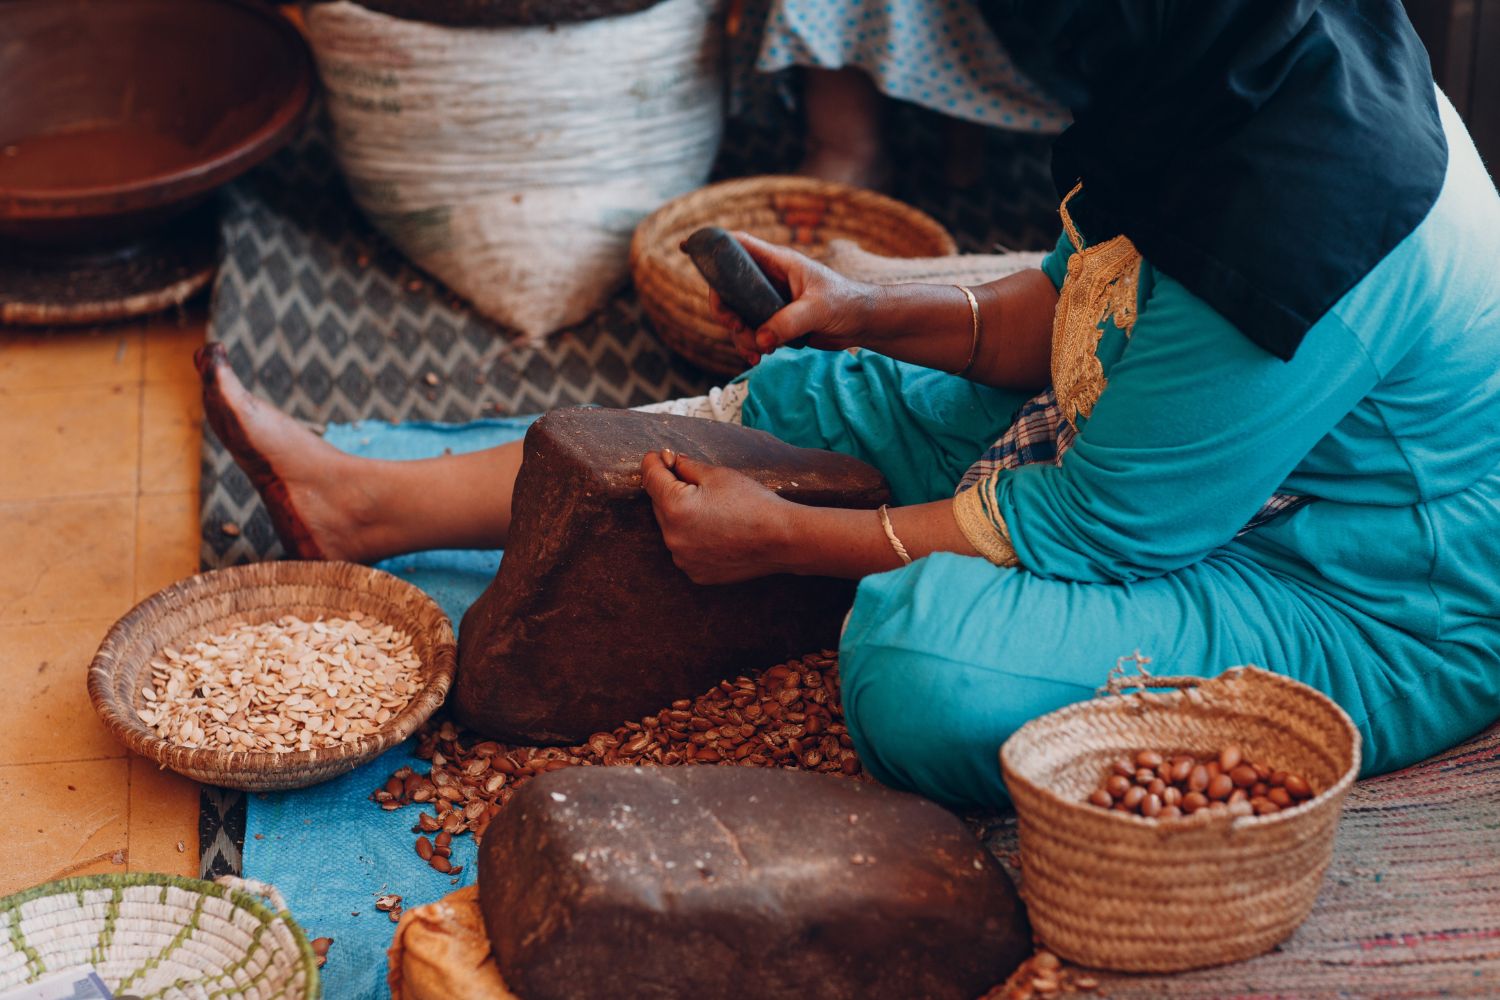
845,140
964,142
326,504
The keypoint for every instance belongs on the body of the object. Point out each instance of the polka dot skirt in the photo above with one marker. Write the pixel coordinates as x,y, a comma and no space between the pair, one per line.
940,54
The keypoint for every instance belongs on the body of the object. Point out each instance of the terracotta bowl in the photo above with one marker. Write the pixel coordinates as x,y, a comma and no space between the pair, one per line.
122,114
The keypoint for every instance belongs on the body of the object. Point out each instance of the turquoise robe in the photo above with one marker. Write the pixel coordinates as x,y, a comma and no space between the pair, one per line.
1383,591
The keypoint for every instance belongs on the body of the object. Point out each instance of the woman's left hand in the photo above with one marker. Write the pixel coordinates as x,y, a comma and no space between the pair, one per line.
720,525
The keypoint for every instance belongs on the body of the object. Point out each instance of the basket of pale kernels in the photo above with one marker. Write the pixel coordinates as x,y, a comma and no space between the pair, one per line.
274,675
1239,780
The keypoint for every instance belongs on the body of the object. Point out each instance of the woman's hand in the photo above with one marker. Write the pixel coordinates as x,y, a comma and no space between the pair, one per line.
831,310
720,525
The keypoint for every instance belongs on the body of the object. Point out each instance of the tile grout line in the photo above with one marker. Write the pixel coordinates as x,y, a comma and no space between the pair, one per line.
145,384
14,393
127,756
135,556
76,497
62,622
94,497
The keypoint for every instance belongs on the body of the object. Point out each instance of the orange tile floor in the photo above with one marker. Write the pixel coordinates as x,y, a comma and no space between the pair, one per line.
99,436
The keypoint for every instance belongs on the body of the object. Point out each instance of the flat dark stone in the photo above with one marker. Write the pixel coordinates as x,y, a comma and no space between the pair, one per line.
503,12
710,882
589,624
733,273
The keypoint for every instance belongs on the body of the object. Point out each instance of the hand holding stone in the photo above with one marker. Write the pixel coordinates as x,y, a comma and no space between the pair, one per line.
830,310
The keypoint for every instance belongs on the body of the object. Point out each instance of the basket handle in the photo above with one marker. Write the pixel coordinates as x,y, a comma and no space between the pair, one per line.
262,889
1142,679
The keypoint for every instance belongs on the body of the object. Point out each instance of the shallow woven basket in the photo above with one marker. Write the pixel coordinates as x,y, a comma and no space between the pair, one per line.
1118,891
159,936
202,605
799,212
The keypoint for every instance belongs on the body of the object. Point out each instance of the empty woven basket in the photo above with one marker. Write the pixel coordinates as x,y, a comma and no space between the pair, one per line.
799,212
202,605
159,936
1118,891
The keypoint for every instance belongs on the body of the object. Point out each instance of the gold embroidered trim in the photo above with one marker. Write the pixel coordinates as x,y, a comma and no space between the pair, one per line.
979,519
1101,283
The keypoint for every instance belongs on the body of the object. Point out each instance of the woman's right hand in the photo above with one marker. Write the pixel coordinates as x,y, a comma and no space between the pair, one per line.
832,311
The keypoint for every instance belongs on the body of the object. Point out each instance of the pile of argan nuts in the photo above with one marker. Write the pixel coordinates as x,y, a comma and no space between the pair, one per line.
789,716
1157,786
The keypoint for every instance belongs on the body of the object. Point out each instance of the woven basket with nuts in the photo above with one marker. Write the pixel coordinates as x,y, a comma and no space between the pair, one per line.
1141,887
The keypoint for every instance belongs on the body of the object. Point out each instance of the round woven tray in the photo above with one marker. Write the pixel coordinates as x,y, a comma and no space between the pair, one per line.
73,287
159,936
202,605
799,212
497,13
1118,891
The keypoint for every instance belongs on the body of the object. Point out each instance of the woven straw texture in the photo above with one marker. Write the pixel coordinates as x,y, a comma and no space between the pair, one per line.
200,606
1118,891
159,936
799,212
852,261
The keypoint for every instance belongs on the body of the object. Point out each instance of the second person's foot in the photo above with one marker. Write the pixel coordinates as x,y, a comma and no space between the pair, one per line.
860,168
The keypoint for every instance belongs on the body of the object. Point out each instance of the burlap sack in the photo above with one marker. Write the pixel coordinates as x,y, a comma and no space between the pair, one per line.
513,163
441,952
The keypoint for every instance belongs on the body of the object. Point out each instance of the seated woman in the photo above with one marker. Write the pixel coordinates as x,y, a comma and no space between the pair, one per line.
853,56
1246,410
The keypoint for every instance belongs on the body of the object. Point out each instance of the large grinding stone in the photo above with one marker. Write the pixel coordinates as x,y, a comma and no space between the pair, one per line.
589,624
705,882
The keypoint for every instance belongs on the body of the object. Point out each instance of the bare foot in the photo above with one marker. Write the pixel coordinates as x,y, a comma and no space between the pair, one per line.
315,503
844,165
845,128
